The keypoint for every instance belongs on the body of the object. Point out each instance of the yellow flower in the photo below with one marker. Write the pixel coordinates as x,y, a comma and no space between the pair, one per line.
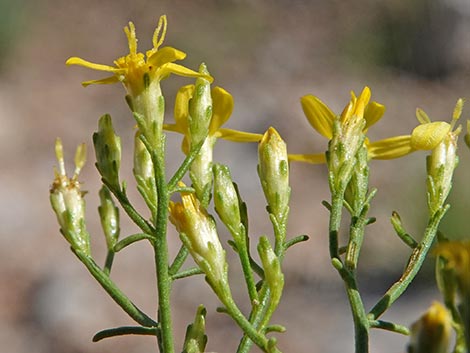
222,107
358,111
431,333
134,69
199,233
441,138
67,200
457,256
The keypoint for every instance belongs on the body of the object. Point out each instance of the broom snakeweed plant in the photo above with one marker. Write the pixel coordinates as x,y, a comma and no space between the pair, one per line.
199,113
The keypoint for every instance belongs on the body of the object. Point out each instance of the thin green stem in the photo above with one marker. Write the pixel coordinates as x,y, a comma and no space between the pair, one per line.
243,254
187,273
415,262
248,328
161,251
131,239
130,210
110,287
108,262
179,174
255,318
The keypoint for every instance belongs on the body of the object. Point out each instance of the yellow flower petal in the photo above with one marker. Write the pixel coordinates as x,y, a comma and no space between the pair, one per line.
428,136
222,107
319,115
103,81
79,61
164,55
171,68
319,158
374,111
390,148
238,136
181,112
362,102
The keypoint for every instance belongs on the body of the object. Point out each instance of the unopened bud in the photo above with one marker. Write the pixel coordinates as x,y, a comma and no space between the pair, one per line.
109,216
226,198
108,151
273,171
200,108
431,333
196,338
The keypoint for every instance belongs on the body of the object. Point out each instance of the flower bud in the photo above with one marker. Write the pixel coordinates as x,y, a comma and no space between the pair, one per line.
200,171
200,108
67,201
199,234
441,165
226,198
109,216
196,338
273,171
144,173
431,333
272,270
108,151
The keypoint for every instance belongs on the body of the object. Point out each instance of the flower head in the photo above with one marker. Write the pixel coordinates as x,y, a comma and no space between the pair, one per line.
135,69
222,107
441,138
67,200
431,333
357,116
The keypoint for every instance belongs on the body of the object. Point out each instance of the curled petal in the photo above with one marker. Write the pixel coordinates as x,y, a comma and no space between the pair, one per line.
428,136
390,148
164,55
222,107
318,158
374,111
319,115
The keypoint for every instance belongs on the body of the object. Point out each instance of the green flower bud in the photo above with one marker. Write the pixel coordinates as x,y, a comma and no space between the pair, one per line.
196,338
200,108
109,216
431,333
226,198
273,171
201,171
199,234
441,165
144,173
67,200
108,151
272,270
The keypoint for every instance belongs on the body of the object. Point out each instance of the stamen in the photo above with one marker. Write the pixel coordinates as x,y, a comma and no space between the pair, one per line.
457,112
59,152
131,38
158,39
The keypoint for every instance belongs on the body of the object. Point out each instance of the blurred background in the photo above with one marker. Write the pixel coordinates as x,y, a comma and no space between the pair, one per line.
267,54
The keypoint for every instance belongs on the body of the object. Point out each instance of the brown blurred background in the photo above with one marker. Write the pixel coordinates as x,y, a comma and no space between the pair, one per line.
267,54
